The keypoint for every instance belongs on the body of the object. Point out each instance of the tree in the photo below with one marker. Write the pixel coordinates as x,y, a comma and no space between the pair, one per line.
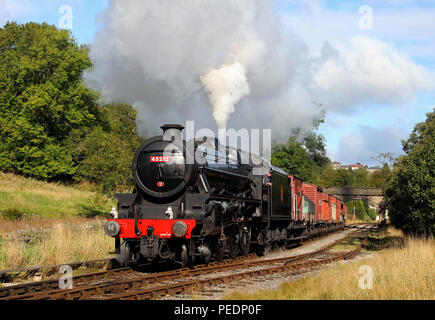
360,178
336,178
42,99
327,178
104,154
384,158
353,178
316,148
410,192
304,159
379,178
360,211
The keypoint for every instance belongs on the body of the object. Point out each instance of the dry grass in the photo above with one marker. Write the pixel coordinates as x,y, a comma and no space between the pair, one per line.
41,223
399,273
7,226
349,220
62,245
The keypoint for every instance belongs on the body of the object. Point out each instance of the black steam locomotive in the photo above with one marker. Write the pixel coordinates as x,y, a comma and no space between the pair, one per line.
196,200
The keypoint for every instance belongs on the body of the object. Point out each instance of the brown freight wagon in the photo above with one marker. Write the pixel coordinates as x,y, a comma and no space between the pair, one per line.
326,208
312,193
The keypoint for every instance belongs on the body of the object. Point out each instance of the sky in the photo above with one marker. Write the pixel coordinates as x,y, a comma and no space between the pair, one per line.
368,121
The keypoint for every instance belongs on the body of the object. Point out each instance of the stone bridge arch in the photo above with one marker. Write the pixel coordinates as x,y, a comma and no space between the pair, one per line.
373,196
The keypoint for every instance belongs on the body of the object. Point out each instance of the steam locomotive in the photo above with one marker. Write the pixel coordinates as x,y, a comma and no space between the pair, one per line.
196,200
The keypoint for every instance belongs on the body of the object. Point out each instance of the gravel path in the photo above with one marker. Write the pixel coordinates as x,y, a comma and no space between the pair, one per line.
311,246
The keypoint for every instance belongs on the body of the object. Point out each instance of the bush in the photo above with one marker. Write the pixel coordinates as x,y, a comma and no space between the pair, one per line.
99,206
372,214
410,192
13,215
105,153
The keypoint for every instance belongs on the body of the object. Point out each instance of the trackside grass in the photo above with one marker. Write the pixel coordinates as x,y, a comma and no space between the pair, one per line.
59,244
403,273
49,223
21,197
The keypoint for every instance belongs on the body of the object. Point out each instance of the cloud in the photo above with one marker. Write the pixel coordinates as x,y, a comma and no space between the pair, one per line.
367,141
157,55
13,10
407,24
162,56
367,71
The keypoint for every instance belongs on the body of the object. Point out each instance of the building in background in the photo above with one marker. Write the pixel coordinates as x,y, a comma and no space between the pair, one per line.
356,166
337,165
373,169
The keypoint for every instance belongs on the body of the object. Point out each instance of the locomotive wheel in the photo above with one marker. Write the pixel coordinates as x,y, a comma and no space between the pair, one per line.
264,249
124,257
245,240
220,251
113,264
185,261
233,246
275,245
284,244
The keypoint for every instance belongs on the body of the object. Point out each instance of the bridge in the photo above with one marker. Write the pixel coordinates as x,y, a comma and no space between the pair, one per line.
373,196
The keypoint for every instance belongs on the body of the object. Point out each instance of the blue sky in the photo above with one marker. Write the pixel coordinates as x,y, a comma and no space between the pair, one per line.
370,127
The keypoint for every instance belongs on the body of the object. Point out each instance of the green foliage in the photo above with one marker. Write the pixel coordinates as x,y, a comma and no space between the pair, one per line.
42,99
379,178
50,125
372,213
335,178
105,153
361,209
316,148
13,214
410,193
304,159
384,158
98,206
353,178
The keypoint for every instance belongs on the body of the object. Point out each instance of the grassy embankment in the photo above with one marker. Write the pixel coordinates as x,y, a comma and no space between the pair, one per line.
48,223
405,271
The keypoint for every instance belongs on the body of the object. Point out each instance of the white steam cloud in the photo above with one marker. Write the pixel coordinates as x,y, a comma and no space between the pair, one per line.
226,87
232,63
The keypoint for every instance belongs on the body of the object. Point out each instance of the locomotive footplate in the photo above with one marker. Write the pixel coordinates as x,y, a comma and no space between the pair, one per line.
149,246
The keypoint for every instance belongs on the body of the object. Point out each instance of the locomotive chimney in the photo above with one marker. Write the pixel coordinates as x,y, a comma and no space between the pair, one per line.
172,130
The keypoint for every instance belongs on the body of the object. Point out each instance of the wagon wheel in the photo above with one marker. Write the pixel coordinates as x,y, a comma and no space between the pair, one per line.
284,242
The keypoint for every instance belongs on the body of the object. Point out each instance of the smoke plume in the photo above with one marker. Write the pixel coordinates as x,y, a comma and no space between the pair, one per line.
232,64
226,87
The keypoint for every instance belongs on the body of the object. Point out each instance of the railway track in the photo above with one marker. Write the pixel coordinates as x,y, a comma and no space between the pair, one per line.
25,273
125,283
7,276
